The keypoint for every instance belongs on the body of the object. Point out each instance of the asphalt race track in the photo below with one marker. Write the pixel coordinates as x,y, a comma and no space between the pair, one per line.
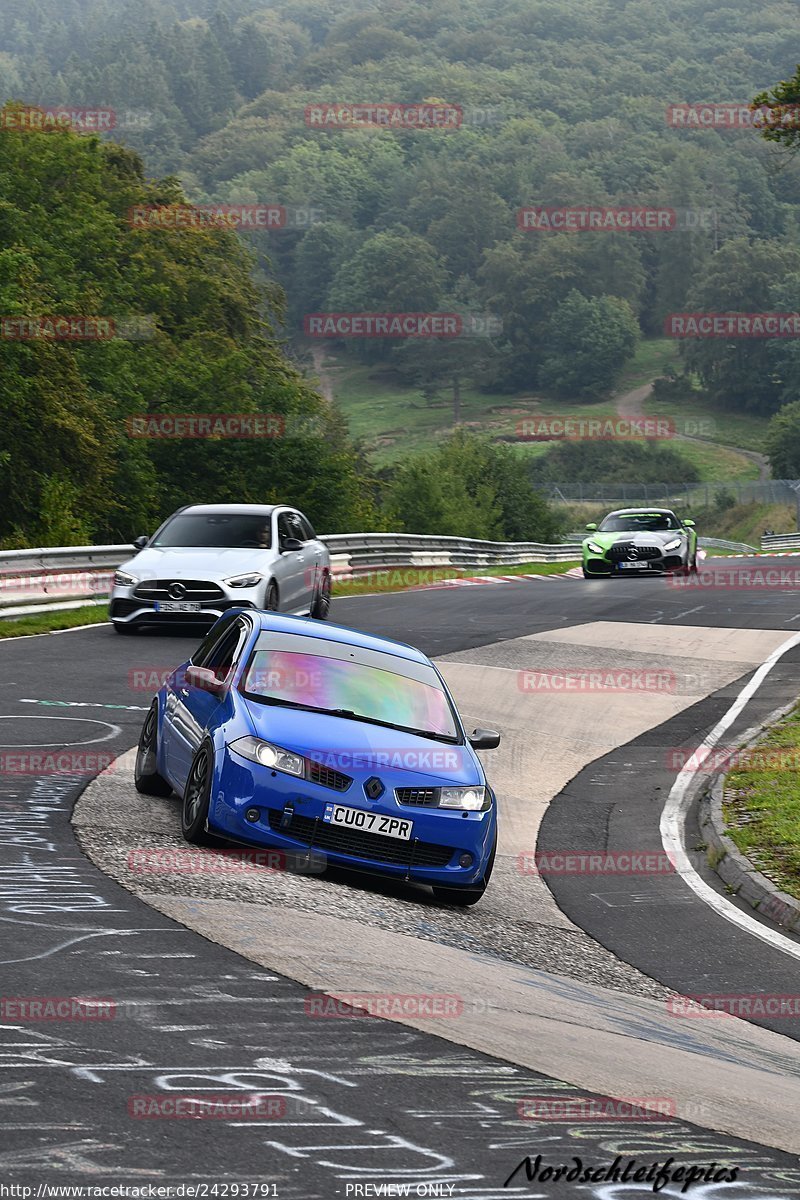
563,984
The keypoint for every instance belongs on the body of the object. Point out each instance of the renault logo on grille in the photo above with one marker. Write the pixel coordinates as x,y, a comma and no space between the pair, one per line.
374,788
176,591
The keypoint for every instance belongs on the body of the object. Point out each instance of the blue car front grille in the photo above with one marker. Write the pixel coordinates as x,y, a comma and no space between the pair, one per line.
340,840
326,776
420,797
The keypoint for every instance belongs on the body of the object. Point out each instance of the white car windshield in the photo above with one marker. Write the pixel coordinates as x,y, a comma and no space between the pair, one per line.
216,530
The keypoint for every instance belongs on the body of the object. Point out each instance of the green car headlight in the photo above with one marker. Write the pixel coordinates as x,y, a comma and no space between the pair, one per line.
595,549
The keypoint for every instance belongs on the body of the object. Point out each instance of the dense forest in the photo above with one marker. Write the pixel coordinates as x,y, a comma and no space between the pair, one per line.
560,105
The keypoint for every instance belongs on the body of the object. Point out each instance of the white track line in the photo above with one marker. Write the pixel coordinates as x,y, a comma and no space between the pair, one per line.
672,818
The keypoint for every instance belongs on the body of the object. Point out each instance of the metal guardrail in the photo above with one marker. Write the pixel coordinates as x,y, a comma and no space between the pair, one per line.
781,541
722,544
54,578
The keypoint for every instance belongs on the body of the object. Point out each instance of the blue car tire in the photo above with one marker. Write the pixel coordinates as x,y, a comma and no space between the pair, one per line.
146,778
194,810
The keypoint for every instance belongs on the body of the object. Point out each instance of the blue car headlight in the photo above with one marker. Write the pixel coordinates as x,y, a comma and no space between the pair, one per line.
123,579
472,798
267,755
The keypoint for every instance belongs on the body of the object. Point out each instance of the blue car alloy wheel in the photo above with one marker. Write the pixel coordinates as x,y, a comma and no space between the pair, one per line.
328,744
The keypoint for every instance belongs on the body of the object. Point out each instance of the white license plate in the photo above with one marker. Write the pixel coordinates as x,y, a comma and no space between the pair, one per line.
632,566
177,606
368,822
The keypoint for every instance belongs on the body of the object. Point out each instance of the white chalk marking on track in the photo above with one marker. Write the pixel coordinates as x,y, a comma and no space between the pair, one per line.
115,729
672,818
24,637
687,611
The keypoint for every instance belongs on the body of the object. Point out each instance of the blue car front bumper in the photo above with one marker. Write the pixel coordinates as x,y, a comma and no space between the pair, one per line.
291,815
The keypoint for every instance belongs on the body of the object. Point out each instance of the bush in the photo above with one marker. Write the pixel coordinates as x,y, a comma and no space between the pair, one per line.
612,462
469,487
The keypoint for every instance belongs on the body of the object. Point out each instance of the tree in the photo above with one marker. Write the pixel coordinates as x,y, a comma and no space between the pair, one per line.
781,104
468,487
782,442
70,466
743,277
588,342
392,272
435,363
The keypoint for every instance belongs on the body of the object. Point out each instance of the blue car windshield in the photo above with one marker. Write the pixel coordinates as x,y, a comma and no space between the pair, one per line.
348,681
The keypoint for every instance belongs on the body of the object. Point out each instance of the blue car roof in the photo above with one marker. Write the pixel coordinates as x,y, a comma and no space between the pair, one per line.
327,632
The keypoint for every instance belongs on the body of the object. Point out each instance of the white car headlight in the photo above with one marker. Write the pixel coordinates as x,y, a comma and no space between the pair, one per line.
595,549
267,755
123,579
673,545
245,581
472,798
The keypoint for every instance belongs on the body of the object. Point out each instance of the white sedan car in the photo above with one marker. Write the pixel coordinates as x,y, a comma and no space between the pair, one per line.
207,558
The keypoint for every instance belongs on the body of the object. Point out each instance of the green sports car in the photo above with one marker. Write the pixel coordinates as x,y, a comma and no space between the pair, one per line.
639,541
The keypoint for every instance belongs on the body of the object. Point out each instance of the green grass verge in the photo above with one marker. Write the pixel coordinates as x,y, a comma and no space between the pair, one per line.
763,815
52,622
398,579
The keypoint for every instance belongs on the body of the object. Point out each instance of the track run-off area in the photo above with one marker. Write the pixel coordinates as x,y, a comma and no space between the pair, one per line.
562,985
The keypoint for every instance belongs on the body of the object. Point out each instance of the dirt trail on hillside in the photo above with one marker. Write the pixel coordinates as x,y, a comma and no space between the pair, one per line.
631,405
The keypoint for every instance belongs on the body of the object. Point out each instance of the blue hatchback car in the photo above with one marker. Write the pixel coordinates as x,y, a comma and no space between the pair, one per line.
326,742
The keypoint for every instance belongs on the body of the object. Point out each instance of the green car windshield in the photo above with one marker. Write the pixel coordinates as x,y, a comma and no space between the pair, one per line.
630,522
